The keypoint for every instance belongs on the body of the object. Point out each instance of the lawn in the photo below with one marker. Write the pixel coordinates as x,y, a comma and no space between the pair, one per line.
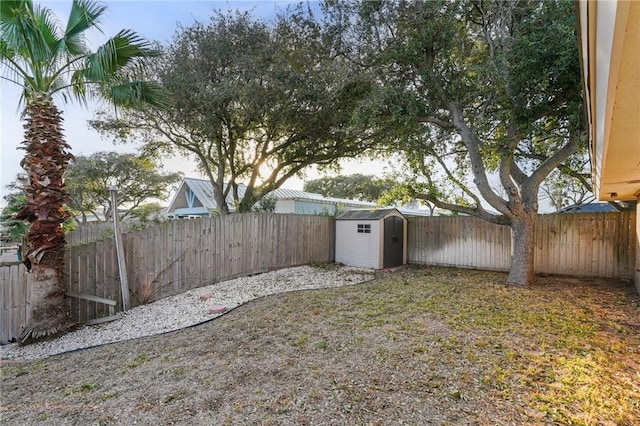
416,346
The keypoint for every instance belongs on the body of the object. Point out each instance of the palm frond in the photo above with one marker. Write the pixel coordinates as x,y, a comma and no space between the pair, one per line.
12,70
9,12
83,15
36,30
39,55
29,36
48,28
79,85
117,53
134,93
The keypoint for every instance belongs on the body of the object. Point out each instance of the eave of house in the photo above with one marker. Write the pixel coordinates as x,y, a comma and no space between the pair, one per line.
610,51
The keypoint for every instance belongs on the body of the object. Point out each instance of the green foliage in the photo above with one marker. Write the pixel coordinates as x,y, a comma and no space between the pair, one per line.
266,204
356,186
469,89
14,228
47,59
136,177
564,191
246,105
147,214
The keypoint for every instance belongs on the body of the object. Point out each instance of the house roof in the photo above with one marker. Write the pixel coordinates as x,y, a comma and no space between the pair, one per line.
366,214
589,208
203,191
294,194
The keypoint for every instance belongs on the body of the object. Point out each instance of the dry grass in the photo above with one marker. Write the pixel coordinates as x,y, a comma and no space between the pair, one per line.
419,346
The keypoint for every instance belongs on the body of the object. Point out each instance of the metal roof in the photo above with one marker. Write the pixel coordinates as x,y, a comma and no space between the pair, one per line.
366,214
589,208
294,194
284,193
203,190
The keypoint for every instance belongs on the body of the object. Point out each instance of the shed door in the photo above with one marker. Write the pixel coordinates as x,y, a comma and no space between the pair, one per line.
393,242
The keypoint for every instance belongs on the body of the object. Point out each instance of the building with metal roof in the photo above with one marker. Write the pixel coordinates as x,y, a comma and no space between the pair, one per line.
194,198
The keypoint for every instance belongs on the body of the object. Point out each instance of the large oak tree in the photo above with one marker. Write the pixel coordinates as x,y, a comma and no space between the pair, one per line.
254,102
482,98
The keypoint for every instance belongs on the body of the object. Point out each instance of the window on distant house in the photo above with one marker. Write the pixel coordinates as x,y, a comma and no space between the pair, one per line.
364,228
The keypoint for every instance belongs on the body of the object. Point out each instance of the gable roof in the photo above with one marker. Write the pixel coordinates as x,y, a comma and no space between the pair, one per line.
367,214
203,190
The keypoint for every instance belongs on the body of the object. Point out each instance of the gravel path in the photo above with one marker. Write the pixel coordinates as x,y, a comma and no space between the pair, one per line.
186,309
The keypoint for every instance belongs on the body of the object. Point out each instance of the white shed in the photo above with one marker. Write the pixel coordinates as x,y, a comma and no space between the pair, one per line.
371,238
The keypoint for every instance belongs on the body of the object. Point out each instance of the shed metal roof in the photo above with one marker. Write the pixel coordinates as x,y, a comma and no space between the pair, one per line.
366,214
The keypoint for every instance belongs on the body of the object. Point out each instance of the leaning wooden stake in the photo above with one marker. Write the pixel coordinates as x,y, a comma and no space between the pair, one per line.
122,267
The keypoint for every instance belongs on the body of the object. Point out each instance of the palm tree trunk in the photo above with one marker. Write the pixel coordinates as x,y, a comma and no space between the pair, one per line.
45,162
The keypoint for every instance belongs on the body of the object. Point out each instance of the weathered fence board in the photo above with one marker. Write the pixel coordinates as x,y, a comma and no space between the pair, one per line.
13,294
179,255
584,244
171,258
175,256
462,241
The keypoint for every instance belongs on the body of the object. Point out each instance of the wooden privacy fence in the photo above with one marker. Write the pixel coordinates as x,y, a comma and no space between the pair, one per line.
580,244
174,257
94,231
13,297
180,255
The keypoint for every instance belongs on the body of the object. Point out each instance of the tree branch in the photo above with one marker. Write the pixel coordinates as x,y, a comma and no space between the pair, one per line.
477,165
478,211
437,121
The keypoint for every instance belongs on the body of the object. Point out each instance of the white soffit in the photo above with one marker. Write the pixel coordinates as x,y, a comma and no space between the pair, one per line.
611,31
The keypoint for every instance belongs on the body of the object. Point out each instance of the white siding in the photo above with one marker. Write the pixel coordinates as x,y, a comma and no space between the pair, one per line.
284,206
354,249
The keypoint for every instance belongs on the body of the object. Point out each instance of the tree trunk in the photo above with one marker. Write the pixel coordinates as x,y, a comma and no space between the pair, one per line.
49,312
522,250
221,203
219,198
45,162
248,201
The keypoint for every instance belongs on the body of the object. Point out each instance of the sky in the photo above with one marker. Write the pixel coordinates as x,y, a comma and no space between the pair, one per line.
154,20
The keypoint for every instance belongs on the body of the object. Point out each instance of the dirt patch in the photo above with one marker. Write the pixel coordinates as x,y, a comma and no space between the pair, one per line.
418,346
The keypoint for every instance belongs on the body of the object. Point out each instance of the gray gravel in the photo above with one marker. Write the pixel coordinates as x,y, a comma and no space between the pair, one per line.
186,309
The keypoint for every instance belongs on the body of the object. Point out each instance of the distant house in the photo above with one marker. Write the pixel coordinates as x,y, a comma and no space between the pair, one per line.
194,198
589,208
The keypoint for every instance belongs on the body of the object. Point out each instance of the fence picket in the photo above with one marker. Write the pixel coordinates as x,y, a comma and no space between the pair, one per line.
179,255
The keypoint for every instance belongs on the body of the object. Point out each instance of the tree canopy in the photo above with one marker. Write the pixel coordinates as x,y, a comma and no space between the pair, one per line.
356,186
253,102
138,180
482,99
15,200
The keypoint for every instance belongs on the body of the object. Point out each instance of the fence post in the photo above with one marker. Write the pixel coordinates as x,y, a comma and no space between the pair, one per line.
122,267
